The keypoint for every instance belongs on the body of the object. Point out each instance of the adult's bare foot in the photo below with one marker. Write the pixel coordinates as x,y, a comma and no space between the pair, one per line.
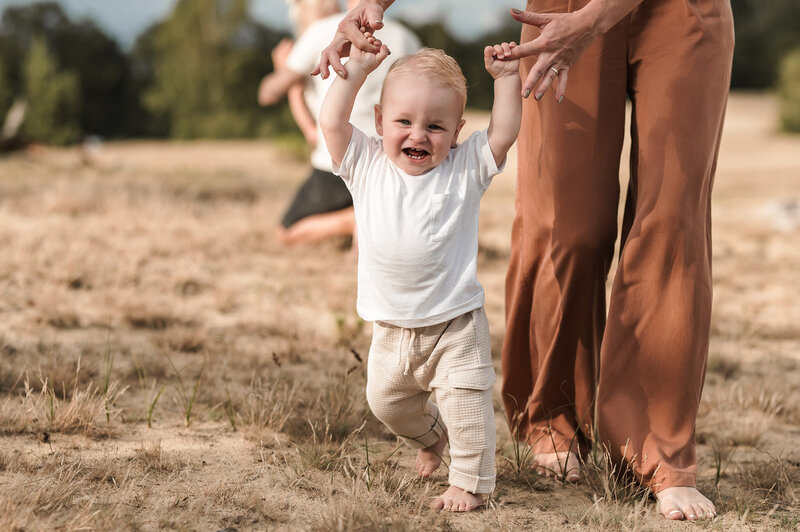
457,500
558,465
429,458
684,503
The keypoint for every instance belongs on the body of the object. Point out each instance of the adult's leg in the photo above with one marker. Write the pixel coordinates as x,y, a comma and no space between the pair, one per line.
321,208
319,227
321,193
562,244
655,346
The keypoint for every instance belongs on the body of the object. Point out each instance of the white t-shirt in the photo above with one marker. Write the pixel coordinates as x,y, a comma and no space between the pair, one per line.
417,235
304,57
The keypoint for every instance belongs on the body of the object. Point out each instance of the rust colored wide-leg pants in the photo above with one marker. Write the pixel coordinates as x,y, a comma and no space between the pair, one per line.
640,370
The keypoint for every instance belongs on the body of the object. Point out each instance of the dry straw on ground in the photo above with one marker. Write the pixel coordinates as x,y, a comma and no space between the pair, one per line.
165,365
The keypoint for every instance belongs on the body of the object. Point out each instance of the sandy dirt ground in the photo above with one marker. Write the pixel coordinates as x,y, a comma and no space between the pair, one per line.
141,284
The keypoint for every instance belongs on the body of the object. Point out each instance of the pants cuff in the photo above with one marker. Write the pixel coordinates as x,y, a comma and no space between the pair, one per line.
471,483
674,480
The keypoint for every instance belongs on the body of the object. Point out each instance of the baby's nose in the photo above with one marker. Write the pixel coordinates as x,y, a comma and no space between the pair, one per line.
417,133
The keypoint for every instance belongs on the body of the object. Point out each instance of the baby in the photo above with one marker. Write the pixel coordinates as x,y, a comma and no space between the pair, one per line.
416,195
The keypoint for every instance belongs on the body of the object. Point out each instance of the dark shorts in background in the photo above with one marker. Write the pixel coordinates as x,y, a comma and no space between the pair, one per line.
322,192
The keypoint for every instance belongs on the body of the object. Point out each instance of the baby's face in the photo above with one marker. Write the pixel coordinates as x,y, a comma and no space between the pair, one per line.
419,122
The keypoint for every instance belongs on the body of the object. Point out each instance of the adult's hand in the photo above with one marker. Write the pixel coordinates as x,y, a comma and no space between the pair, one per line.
365,17
280,54
564,38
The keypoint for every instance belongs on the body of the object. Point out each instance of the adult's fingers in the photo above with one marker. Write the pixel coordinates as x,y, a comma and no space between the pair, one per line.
529,17
353,34
561,85
537,72
373,16
526,49
330,58
322,66
547,80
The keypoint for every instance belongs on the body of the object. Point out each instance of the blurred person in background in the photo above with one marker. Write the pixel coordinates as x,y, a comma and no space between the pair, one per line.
322,206
629,377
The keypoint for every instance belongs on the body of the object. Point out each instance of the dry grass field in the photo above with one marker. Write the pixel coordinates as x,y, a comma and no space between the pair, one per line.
164,364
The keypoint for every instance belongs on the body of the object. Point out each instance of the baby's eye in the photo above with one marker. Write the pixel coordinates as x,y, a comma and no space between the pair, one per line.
435,126
404,122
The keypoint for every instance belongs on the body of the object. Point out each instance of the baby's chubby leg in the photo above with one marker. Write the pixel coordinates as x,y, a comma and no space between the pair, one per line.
412,416
468,413
397,399
430,458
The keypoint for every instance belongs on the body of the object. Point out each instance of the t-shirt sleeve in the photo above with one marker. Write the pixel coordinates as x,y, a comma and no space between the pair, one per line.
358,158
478,154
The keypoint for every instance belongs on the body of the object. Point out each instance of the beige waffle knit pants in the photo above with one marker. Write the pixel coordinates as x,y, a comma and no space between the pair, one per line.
454,361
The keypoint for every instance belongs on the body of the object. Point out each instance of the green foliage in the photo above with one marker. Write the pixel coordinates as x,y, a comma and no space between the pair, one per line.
789,92
6,91
53,98
107,103
765,32
195,74
208,57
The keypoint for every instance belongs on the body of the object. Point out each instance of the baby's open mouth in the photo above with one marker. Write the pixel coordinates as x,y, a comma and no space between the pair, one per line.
415,154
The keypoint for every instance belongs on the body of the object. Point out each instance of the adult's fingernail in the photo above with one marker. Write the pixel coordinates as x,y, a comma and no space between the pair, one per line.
526,93
516,11
538,95
561,98
341,74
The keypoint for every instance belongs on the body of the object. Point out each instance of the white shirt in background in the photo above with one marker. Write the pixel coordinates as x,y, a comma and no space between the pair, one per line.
304,57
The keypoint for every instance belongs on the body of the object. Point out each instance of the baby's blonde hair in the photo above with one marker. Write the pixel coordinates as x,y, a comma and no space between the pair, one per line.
433,65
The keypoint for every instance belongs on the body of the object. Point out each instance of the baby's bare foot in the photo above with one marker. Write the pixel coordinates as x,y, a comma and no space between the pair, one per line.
457,500
429,458
558,465
685,503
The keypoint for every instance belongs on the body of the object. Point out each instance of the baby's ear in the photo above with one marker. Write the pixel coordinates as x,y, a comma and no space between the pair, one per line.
455,135
378,119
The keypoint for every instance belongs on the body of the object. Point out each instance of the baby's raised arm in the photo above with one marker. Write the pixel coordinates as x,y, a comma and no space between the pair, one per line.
334,117
507,106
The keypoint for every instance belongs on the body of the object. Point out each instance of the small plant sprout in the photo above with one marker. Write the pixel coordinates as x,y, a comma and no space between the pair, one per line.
108,364
187,397
521,459
152,395
230,411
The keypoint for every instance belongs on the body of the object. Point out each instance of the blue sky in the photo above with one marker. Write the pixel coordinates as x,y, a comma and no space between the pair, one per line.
125,19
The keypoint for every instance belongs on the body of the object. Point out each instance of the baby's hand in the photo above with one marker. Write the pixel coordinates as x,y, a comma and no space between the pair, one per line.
496,62
368,61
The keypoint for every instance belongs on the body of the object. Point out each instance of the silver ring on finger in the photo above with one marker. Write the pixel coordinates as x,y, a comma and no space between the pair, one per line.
554,69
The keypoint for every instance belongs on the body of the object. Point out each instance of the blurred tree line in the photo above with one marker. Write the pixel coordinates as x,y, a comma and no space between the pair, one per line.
195,73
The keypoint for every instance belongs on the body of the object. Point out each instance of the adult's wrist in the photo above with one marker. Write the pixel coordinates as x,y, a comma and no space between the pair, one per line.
592,18
599,16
